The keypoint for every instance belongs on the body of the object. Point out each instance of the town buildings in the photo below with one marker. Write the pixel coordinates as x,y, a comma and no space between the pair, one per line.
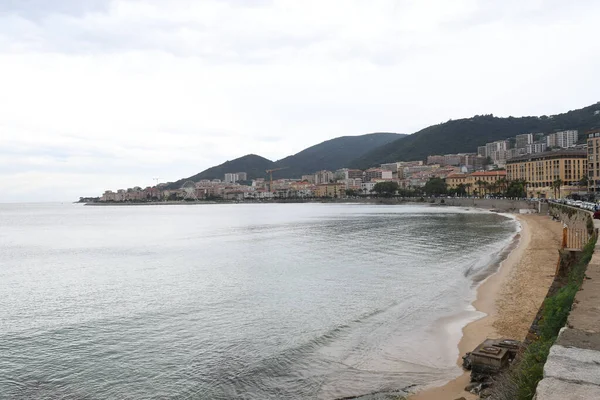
593,153
331,190
538,160
521,141
480,182
563,139
541,170
233,177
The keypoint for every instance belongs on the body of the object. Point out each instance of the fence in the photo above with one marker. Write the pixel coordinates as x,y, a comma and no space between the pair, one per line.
575,239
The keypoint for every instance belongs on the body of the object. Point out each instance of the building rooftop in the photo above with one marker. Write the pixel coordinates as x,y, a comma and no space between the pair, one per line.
564,153
489,173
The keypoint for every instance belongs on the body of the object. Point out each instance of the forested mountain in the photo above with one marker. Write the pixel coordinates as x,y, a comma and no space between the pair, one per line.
331,155
252,164
464,135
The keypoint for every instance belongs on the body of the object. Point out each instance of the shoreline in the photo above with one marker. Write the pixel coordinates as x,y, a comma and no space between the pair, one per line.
509,305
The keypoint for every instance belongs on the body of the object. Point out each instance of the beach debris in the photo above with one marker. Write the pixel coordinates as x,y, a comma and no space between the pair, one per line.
489,358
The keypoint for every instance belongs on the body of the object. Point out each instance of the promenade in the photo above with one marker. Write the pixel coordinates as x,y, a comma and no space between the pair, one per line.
572,370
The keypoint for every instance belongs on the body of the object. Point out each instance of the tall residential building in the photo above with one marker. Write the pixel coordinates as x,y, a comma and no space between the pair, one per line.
323,177
377,173
541,170
482,151
563,139
497,151
347,173
593,153
523,140
538,147
231,177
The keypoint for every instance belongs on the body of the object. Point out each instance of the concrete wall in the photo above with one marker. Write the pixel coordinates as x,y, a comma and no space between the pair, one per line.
572,217
493,204
572,370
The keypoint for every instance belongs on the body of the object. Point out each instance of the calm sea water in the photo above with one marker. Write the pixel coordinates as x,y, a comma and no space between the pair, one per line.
281,301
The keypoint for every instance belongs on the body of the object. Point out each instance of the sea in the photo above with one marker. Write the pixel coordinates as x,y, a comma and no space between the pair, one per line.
238,301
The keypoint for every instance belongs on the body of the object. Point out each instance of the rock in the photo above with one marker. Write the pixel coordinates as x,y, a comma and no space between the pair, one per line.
471,386
476,389
467,361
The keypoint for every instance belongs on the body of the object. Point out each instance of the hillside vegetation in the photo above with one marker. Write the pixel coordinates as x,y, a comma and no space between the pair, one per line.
464,135
252,164
331,155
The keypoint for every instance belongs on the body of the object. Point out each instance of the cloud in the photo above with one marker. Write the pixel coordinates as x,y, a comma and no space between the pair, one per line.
145,88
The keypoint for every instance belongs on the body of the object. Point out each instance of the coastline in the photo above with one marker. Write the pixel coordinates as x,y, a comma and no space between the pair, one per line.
510,297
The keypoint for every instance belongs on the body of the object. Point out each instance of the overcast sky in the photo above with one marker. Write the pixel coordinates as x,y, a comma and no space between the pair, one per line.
99,94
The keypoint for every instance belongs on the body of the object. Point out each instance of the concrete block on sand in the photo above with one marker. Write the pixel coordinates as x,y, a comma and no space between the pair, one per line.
556,389
573,364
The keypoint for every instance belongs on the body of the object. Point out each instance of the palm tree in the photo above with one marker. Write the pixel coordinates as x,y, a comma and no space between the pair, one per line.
493,187
486,187
556,185
479,184
502,184
468,187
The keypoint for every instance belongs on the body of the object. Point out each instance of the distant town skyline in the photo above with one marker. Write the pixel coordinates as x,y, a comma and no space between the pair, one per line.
112,93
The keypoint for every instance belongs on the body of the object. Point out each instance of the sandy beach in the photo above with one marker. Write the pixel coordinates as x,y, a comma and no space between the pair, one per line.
510,298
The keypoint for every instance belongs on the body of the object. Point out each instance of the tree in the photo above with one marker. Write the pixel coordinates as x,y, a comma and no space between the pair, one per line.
479,184
351,192
435,186
556,186
502,184
486,187
461,189
468,187
517,188
386,189
584,181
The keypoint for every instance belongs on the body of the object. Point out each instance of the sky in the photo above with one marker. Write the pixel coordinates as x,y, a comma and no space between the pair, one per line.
109,94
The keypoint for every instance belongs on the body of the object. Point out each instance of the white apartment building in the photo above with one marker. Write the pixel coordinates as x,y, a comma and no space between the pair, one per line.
563,139
523,140
323,177
535,148
497,151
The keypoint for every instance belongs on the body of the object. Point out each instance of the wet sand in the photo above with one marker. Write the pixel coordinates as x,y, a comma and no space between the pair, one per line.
510,298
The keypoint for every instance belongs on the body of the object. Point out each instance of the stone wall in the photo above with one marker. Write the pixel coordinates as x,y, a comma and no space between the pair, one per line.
506,205
572,217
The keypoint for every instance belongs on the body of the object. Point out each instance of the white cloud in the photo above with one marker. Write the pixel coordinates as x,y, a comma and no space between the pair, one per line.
102,91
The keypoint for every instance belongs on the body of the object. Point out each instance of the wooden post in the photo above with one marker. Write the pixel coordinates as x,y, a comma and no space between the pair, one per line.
564,240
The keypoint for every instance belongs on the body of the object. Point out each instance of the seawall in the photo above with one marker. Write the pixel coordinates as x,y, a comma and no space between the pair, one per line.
572,370
506,205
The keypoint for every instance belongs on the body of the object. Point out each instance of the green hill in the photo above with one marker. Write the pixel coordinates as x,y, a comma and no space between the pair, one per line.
331,155
252,164
464,135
